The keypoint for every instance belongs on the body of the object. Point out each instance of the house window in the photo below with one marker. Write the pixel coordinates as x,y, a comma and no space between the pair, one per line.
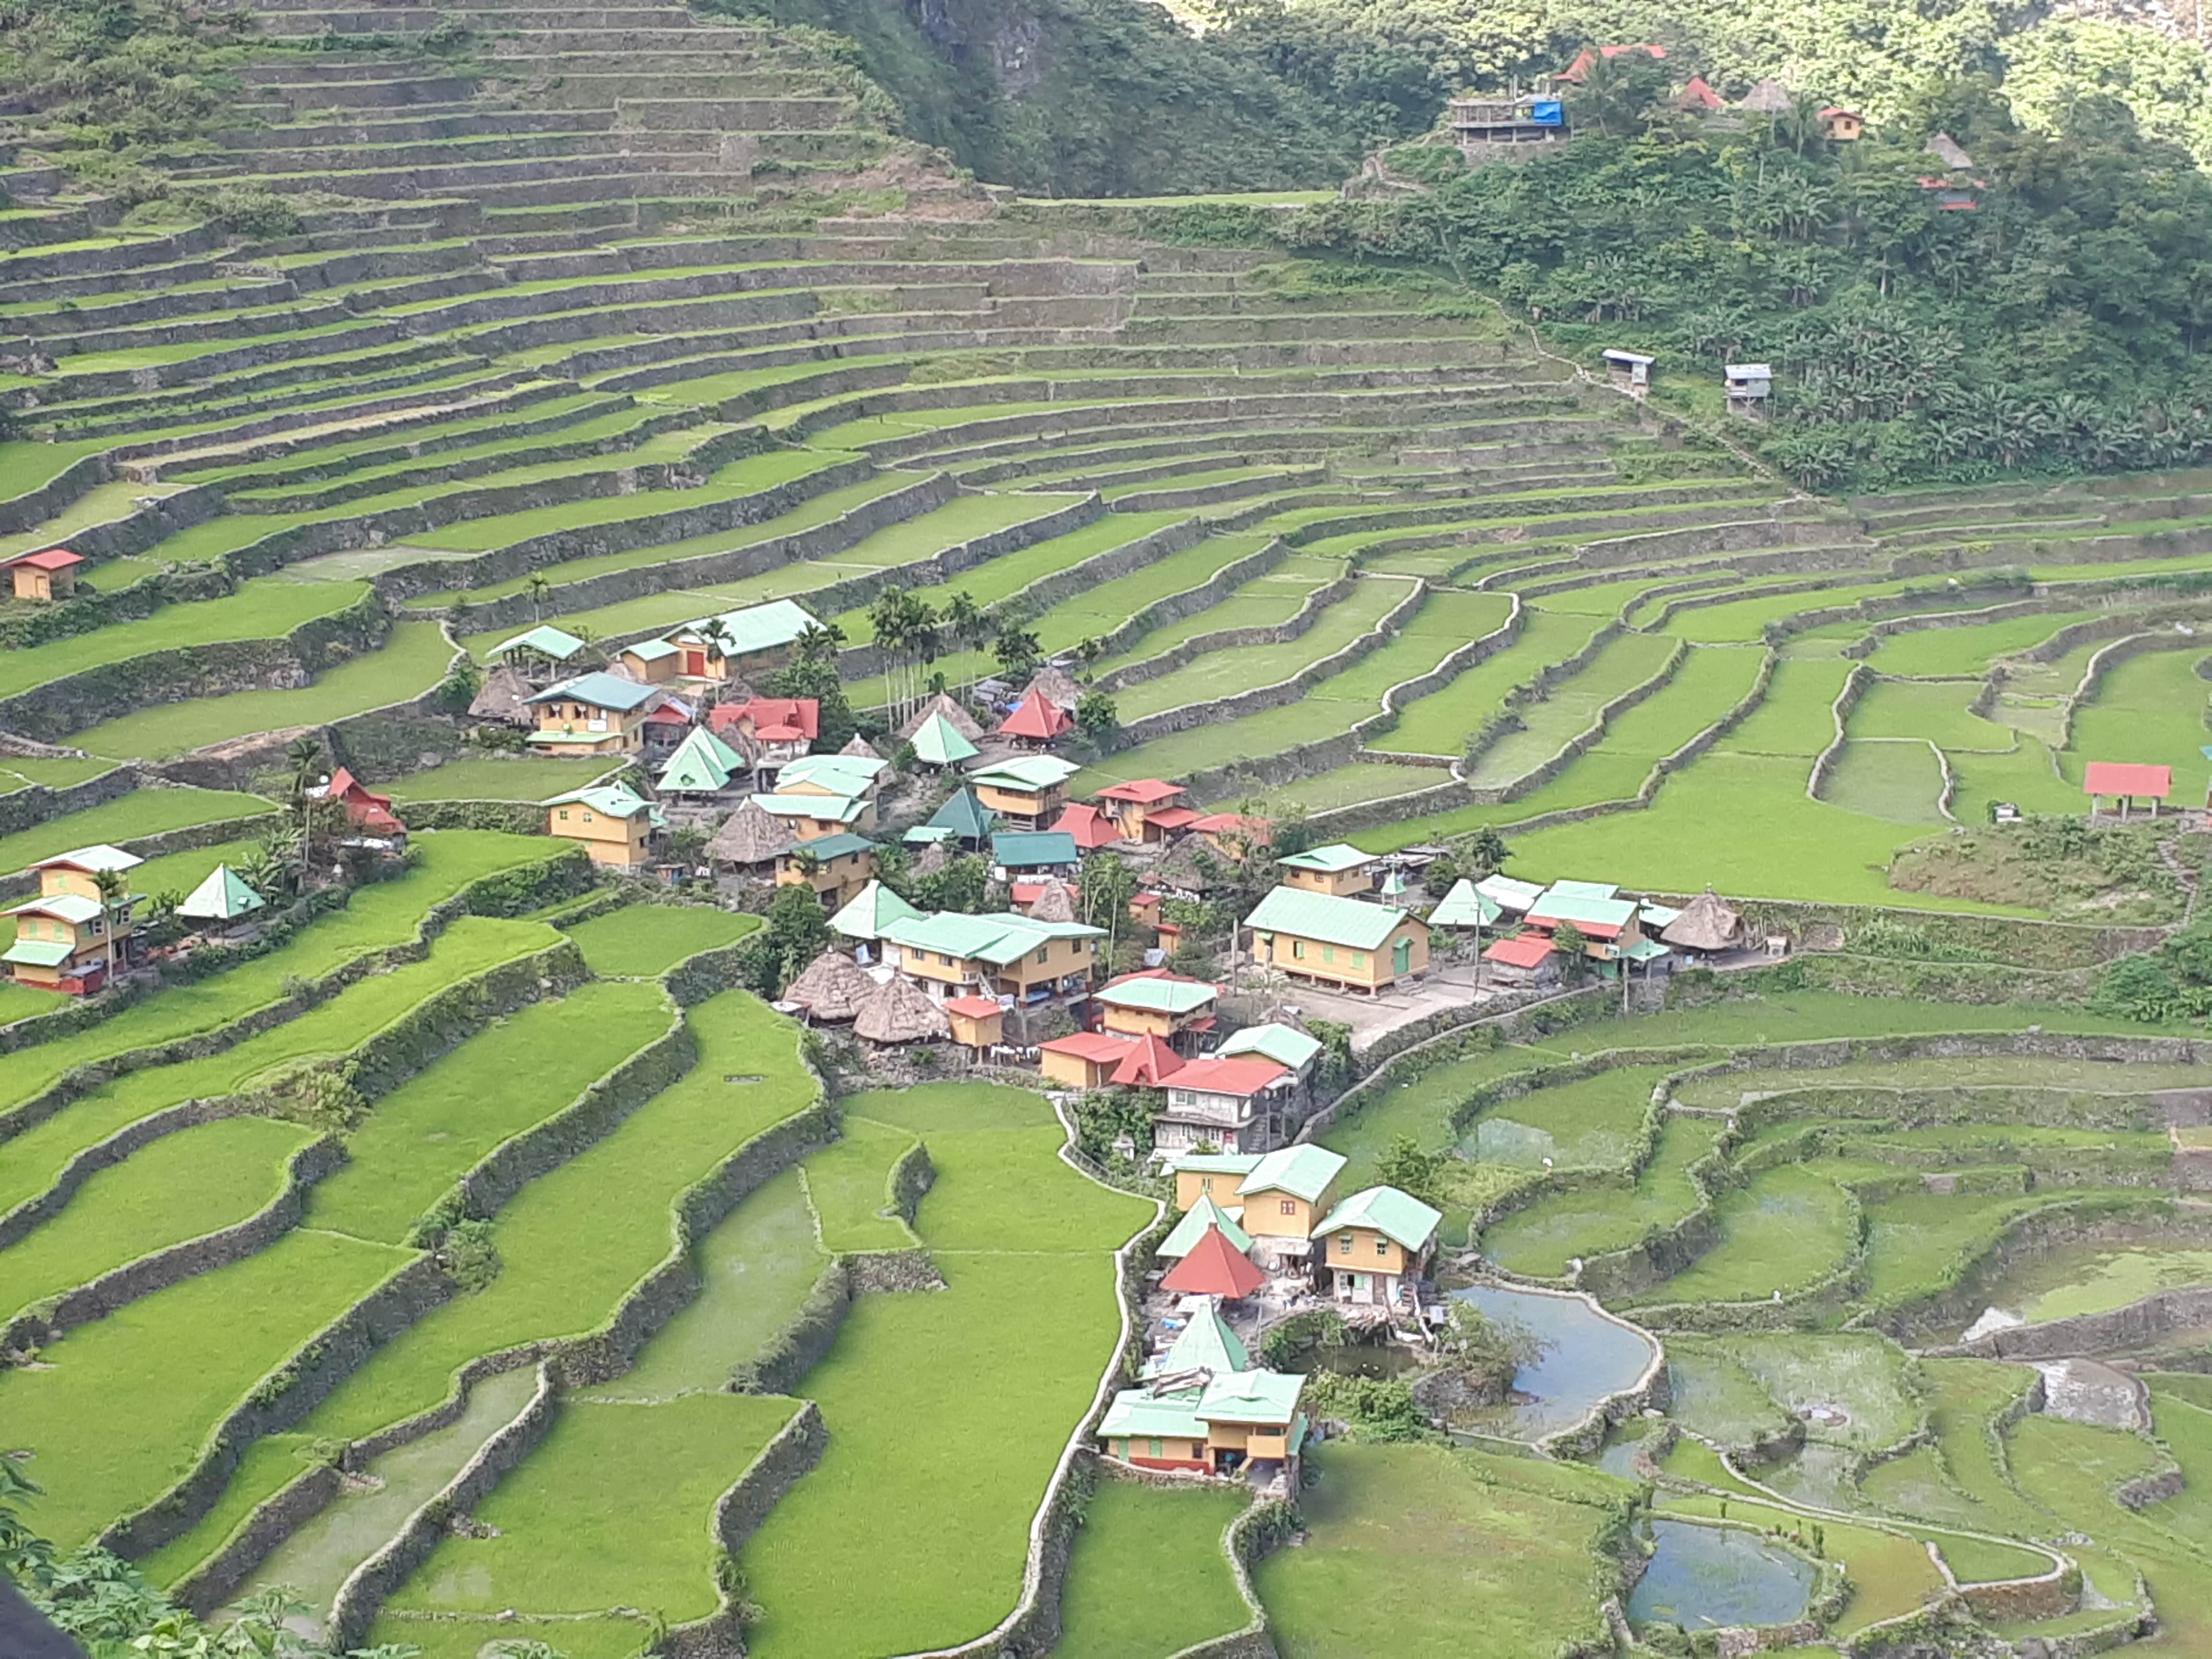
1382,1247
1289,1208
1328,953
564,814
943,960
1344,1243
1043,954
1198,1448
1359,958
1206,1184
1298,948
1152,1448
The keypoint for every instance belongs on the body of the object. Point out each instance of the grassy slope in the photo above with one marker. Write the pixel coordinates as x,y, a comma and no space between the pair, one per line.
1148,1576
646,941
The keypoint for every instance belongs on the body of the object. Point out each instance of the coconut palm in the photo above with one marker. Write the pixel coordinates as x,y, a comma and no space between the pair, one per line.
305,753
536,586
114,900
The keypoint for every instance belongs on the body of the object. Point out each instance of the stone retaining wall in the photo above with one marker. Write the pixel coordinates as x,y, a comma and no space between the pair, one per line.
51,712
362,1595
282,1401
1217,709
214,1583
519,559
1230,639
797,1449
1592,735
1856,683
25,808
50,1321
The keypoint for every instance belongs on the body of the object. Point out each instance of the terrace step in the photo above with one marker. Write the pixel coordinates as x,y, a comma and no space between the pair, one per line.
280,432
287,22
173,300
299,94
468,123
304,380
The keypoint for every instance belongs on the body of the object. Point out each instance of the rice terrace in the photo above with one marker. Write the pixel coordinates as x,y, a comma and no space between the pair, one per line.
842,830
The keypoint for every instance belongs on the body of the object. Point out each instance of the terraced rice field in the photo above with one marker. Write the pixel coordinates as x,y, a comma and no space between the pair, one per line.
1324,545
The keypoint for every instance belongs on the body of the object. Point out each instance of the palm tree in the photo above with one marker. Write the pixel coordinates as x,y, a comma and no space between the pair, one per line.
965,624
114,897
819,641
537,587
716,633
305,752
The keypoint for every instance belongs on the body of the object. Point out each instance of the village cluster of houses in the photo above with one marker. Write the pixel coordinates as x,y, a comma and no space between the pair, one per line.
1260,1237
84,926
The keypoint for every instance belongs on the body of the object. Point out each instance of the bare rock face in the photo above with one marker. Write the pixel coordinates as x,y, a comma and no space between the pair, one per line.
1454,1391
2089,1391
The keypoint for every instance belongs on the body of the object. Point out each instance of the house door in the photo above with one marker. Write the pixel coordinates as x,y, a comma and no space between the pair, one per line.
1401,956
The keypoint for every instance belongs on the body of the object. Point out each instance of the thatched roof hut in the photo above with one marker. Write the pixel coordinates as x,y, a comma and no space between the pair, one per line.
832,988
860,747
1705,924
947,705
899,1010
749,836
1054,902
933,859
504,697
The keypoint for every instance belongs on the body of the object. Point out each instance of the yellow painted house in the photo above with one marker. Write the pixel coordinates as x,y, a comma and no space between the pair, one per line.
615,825
837,867
1338,870
952,954
1277,1195
1346,943
593,714
67,938
1028,791
1373,1248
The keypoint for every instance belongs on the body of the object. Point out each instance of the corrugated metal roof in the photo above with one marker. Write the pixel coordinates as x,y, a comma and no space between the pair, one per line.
1188,1231
1026,772
1284,1044
600,691
1399,1217
1332,859
1331,919
547,642
1034,849
755,628
1463,907
1157,995
1302,1171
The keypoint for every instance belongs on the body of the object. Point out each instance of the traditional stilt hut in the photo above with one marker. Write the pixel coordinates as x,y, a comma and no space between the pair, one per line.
504,697
831,988
899,1010
947,706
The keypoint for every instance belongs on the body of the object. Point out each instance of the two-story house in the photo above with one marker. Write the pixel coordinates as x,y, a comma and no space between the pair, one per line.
1340,871
1028,791
1375,1247
839,868
1148,809
615,825
1346,943
69,938
1032,961
767,731
1238,1104
593,715
1159,1004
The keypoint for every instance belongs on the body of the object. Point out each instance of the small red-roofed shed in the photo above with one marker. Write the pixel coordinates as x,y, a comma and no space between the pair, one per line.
1091,828
1214,1267
2127,783
367,813
48,576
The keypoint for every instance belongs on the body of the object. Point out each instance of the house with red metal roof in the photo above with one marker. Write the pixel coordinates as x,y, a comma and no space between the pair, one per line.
1036,721
1214,1267
1238,1103
768,730
1091,828
367,813
2125,784
1148,1065
44,576
1149,809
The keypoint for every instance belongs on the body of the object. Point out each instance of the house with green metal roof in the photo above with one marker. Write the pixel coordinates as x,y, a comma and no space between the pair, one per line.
1373,1249
1287,1191
810,816
545,643
1003,955
1344,944
1335,869
741,644
838,868
1285,1045
937,742
615,825
1610,926
1464,906
870,912
832,774
702,764
1186,1233
1509,894
962,818
593,714
222,898
1028,791
1210,1175
1035,853
1209,1421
